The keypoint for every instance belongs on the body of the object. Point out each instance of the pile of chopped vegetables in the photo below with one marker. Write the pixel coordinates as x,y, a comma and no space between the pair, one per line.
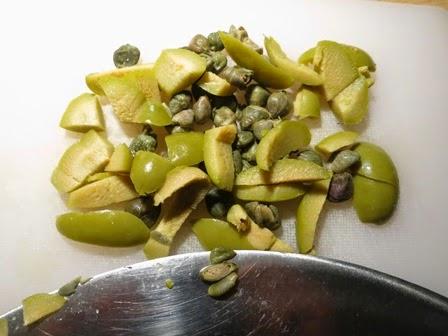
225,124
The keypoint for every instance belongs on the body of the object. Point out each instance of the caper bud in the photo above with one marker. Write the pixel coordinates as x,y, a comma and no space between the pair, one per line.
223,116
223,286
126,55
237,76
249,155
261,127
246,165
341,187
251,114
244,139
264,215
143,208
220,254
310,155
237,161
184,118
199,44
344,160
219,61
70,287
214,41
257,95
278,104
218,202
238,33
142,142
202,109
216,272
179,102
180,129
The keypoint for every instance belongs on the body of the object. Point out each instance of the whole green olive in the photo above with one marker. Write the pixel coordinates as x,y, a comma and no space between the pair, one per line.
218,202
376,164
374,201
126,55
142,142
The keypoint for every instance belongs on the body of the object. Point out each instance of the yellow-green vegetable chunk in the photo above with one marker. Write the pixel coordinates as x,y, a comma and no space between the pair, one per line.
98,176
287,136
376,164
177,69
351,105
336,141
265,72
308,213
103,192
300,72
218,157
3,327
374,201
307,104
216,85
153,113
40,305
335,67
80,160
185,149
285,170
120,161
148,171
105,228
269,193
83,114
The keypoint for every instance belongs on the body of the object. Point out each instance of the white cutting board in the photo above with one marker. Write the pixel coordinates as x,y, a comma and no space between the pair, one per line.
48,46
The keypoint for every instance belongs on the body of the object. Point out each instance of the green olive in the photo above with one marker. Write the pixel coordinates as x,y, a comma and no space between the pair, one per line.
185,149
3,327
148,171
105,228
269,193
376,164
38,306
374,201
307,104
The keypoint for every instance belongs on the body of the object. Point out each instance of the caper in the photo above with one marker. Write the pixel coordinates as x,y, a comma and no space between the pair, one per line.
202,110
143,207
261,127
237,161
169,283
179,102
223,116
184,118
142,142
264,215
126,55
180,129
223,286
278,104
220,254
251,114
341,187
310,155
344,160
214,41
246,165
238,33
237,76
249,155
70,287
208,60
199,44
244,139
257,95
218,202
219,61
216,272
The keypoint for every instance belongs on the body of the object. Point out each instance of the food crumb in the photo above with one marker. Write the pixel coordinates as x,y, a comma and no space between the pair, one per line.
169,283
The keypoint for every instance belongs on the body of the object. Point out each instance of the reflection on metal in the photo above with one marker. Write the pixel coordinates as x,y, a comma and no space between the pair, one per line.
277,294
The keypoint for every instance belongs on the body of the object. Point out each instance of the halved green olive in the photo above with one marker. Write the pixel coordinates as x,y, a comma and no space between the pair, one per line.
374,201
